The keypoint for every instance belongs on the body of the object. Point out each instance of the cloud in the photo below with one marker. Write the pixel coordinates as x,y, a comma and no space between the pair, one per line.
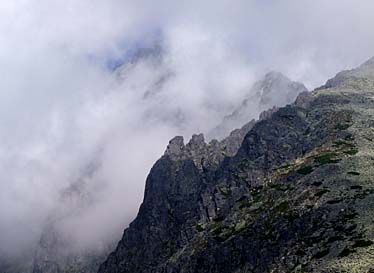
62,109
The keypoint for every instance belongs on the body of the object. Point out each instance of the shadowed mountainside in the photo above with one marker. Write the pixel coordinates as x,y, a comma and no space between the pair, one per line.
298,196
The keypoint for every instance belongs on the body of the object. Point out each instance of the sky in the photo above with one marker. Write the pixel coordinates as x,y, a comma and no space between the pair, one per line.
68,117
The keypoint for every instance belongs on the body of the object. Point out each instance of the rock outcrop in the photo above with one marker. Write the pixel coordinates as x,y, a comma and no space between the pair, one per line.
296,195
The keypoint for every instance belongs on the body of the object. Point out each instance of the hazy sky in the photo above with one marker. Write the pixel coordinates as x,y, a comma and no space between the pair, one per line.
63,110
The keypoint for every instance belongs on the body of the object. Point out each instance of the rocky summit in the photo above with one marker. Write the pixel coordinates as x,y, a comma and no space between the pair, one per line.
274,90
295,193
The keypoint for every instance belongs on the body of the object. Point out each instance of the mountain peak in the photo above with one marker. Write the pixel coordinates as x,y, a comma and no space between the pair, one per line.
271,75
273,90
361,77
369,62
296,197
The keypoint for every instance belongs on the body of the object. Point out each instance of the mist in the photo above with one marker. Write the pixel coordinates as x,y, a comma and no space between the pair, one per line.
78,107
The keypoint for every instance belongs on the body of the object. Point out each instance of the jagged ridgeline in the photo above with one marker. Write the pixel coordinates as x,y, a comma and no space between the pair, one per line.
296,195
57,251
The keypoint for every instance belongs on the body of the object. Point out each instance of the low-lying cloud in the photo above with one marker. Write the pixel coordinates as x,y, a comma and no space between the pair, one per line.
67,118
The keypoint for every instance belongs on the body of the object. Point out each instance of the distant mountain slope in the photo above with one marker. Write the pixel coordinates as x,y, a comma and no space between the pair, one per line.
274,90
298,196
56,251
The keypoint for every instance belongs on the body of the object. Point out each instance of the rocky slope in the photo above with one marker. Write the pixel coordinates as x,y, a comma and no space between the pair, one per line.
297,196
56,251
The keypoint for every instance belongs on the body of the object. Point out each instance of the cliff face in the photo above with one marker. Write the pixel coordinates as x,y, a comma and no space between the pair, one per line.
296,195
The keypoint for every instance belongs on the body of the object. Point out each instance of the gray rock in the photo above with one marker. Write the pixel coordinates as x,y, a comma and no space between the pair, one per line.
296,196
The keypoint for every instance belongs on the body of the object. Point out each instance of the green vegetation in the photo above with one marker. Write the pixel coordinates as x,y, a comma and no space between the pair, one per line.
218,230
305,170
286,166
339,143
351,152
327,158
240,226
200,227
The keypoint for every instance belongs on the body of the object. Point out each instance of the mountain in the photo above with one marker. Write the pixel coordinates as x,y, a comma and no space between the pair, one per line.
296,195
274,90
57,251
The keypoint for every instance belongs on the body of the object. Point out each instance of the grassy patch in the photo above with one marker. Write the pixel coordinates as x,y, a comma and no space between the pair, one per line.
283,167
305,170
327,158
351,152
200,227
339,143
239,226
218,230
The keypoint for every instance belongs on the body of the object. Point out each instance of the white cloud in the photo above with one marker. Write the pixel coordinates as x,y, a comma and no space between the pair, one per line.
61,109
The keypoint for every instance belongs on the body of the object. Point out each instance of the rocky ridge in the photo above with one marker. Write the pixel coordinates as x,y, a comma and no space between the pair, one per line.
297,196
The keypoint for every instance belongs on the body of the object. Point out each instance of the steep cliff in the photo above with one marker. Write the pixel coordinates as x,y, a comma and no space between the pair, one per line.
297,196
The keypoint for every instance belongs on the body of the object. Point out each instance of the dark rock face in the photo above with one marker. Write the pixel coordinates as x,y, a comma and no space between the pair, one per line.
296,195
